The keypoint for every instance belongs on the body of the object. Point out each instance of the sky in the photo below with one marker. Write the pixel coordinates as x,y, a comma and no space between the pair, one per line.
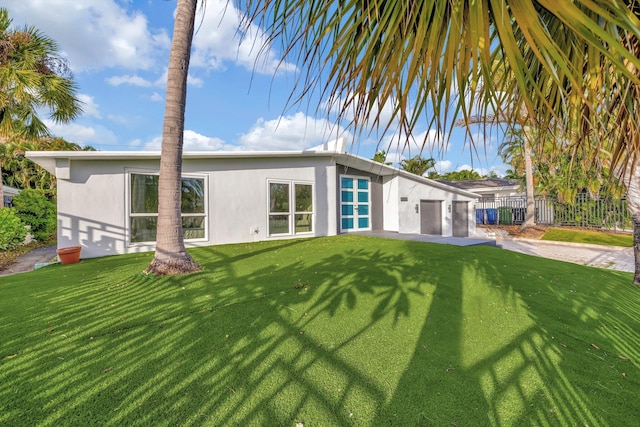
237,93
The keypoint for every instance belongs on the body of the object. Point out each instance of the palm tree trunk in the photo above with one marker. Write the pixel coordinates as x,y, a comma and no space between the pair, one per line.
530,218
171,256
633,203
636,247
630,176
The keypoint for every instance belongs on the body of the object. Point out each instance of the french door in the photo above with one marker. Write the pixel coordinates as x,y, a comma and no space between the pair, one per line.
355,203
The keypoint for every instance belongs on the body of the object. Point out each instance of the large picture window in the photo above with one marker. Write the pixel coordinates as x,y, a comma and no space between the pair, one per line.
290,208
143,215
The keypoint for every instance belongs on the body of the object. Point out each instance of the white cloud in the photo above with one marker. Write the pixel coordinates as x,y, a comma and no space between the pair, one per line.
336,107
443,166
194,81
156,97
93,34
193,141
295,132
217,40
191,80
121,120
97,136
425,144
133,80
89,106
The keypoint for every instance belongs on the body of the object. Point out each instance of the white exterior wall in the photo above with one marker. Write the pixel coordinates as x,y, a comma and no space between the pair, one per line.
391,201
93,203
414,191
238,195
91,209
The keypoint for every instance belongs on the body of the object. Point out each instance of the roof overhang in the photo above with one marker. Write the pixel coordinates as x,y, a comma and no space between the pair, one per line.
59,163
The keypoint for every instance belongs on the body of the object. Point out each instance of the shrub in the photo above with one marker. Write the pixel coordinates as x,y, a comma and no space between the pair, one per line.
12,229
34,209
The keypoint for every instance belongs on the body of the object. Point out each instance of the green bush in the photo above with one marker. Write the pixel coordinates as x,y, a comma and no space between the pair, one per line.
34,209
12,229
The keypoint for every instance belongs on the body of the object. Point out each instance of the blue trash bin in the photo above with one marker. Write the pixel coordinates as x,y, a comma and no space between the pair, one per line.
492,216
479,216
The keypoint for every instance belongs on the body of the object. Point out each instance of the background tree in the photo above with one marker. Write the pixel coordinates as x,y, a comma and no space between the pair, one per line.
511,150
417,165
37,211
22,173
171,256
33,78
463,175
381,157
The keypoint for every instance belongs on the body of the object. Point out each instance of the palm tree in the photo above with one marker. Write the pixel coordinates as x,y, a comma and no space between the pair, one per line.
622,125
381,157
171,256
601,113
417,165
33,77
462,175
430,54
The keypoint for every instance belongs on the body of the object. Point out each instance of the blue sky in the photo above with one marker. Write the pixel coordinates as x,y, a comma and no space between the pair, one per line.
237,97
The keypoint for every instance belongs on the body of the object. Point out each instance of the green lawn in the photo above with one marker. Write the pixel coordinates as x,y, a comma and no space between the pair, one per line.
588,236
346,330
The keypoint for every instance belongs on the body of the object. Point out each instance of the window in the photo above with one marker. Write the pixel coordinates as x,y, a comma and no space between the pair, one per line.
290,212
143,215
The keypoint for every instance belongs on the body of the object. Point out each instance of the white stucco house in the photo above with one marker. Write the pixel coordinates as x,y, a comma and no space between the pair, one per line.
107,201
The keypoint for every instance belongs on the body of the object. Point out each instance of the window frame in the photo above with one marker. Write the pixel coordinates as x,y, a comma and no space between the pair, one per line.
292,212
129,206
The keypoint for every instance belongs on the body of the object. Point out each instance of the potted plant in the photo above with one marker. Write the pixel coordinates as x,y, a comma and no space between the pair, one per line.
69,255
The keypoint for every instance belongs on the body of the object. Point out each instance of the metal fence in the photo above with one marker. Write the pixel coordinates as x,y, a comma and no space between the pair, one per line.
604,214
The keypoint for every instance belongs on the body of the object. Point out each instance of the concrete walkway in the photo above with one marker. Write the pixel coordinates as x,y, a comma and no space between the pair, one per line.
27,262
611,257
456,241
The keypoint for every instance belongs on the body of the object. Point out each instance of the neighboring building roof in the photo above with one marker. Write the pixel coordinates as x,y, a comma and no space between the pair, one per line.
59,162
10,190
485,184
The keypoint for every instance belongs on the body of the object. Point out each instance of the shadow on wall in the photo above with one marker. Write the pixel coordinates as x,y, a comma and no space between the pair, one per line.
96,238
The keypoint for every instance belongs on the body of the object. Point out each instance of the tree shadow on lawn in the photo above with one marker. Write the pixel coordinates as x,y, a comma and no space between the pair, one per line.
328,332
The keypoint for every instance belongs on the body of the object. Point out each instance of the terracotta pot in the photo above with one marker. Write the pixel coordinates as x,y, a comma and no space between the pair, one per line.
69,255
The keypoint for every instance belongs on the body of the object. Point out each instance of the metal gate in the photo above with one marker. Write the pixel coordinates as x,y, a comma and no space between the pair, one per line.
584,212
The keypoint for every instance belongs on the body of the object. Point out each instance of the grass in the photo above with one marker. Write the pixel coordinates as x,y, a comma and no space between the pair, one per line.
588,236
345,330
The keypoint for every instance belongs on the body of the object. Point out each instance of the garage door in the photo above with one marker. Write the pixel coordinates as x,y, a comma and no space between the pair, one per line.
461,219
431,217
